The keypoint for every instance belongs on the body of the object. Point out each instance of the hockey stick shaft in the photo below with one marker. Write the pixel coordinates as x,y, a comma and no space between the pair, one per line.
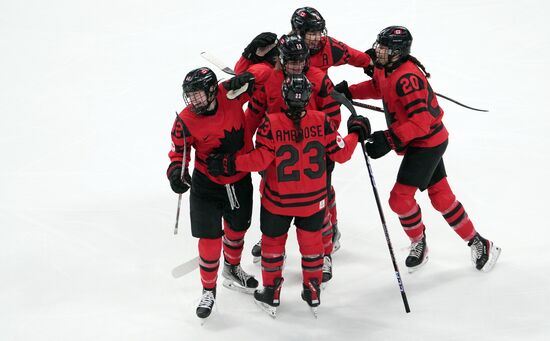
343,100
457,102
184,161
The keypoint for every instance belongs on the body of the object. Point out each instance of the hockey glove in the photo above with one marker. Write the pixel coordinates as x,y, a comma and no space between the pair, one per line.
360,125
382,142
221,164
239,81
343,88
369,70
261,41
174,175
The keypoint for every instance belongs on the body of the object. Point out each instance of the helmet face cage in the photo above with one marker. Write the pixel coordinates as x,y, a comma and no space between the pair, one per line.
292,48
200,88
397,39
308,19
296,91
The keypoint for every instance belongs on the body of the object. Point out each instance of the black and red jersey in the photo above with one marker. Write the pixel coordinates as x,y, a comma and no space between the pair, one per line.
334,53
222,132
294,183
267,98
410,105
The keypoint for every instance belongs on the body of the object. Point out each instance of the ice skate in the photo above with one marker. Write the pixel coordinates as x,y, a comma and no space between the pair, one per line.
237,279
418,255
206,304
484,253
311,293
327,270
268,298
257,252
335,238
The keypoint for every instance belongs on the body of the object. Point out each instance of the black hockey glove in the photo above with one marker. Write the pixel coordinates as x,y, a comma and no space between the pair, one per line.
262,40
382,142
343,88
221,164
174,175
369,70
239,81
360,125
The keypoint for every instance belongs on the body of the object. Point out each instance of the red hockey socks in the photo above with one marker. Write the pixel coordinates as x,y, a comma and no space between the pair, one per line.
233,242
273,250
327,232
311,248
410,216
209,261
444,201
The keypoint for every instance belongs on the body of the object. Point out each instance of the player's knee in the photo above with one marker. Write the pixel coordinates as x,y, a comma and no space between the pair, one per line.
441,195
402,198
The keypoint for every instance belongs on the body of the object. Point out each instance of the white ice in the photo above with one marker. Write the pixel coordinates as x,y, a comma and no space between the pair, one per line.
88,93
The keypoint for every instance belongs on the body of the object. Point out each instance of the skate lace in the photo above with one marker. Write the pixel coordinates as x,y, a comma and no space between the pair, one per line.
241,275
477,248
207,299
416,249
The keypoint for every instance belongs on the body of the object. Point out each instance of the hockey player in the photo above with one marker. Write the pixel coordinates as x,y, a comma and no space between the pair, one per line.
292,147
325,52
293,59
415,130
212,123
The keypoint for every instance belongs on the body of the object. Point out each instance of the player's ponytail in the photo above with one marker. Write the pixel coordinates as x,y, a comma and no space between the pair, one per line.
419,64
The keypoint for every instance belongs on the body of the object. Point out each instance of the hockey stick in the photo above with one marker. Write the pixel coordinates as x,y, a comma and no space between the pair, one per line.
367,106
222,66
185,268
457,102
183,168
343,100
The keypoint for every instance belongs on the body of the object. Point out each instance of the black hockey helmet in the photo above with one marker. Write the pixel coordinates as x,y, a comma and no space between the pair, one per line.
308,19
397,39
292,48
296,91
201,79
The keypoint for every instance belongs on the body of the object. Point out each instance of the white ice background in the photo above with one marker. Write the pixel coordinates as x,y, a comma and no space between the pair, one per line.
88,93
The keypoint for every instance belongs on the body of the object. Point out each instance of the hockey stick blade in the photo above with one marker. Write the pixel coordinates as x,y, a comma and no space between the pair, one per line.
218,63
185,268
340,98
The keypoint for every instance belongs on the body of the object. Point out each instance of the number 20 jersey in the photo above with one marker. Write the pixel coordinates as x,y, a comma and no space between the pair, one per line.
294,183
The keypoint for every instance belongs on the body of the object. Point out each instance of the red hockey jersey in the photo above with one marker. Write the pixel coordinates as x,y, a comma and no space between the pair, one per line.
268,97
294,183
223,132
334,53
410,105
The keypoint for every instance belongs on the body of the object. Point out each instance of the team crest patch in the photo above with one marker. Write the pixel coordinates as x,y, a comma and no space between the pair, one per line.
340,141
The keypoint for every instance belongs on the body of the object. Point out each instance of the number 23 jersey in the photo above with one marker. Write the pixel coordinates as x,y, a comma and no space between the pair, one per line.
294,183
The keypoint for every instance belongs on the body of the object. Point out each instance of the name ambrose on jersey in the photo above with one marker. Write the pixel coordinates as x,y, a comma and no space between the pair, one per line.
290,135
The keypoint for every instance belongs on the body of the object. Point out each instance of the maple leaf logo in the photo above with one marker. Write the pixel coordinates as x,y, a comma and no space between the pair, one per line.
232,141
390,116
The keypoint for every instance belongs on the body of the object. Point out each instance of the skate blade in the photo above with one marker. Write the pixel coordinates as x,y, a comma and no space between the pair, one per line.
229,284
335,247
416,268
314,311
271,311
256,259
493,257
